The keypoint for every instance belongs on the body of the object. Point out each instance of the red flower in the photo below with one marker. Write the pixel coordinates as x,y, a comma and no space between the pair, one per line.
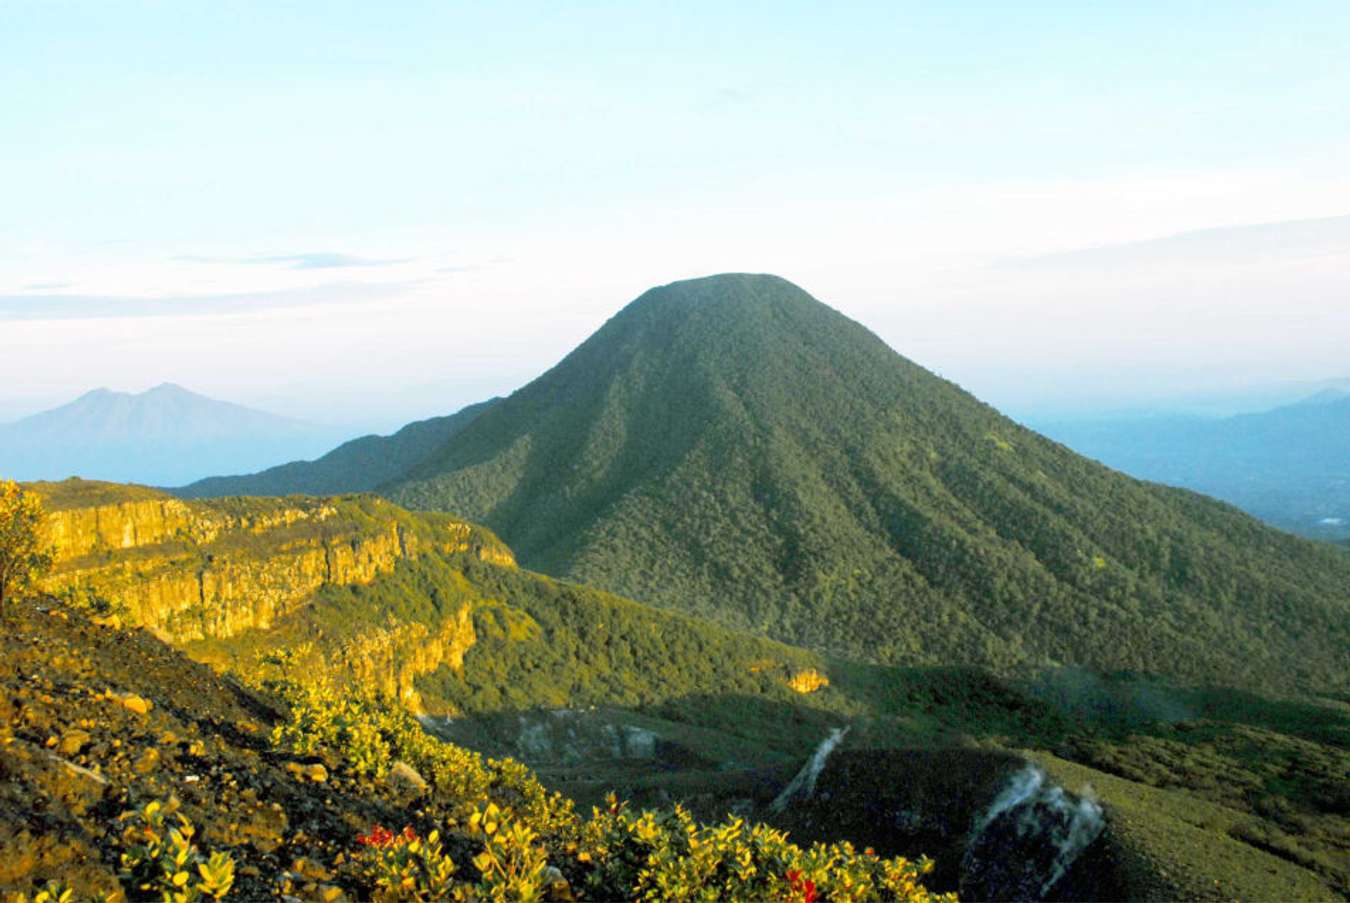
379,836
805,887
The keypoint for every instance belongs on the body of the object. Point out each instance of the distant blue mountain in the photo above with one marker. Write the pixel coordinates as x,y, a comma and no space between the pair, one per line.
1289,466
164,436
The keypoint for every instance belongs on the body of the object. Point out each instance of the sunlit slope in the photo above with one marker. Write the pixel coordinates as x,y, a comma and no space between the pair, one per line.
354,590
733,447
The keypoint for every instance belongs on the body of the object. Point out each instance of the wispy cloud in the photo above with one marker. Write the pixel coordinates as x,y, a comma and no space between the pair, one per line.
312,260
44,286
1229,245
91,306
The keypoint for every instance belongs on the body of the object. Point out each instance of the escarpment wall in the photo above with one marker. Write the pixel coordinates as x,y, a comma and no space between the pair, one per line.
390,660
214,569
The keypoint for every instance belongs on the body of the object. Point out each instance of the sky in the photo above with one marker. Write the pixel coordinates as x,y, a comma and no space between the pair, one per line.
361,213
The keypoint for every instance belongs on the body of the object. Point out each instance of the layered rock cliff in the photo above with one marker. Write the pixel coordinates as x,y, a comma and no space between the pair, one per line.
214,569
391,660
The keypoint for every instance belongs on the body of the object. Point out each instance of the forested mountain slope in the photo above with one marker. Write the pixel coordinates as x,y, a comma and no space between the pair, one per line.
423,607
734,447
356,466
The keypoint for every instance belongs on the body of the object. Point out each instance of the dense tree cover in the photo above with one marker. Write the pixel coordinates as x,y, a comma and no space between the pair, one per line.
732,447
558,644
538,642
356,466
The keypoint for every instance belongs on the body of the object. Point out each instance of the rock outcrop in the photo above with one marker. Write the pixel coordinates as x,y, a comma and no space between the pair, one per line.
215,569
391,660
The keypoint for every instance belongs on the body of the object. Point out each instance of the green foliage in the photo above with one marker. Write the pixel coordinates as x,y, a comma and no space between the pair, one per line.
732,447
560,644
356,466
92,601
159,857
24,556
55,891
537,642
77,493
668,856
520,829
368,734
511,865
404,867
1280,763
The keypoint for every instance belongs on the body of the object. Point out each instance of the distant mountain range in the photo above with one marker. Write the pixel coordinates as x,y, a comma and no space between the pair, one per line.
163,436
733,447
1289,466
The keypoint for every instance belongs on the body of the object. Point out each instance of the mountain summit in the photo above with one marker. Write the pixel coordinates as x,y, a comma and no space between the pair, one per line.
734,447
163,435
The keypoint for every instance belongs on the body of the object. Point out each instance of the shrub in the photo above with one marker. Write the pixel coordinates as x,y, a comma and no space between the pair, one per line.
405,867
615,854
668,856
369,733
512,867
160,858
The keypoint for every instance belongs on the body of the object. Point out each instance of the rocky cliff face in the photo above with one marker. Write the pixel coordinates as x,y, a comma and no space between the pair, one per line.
391,660
125,525
214,569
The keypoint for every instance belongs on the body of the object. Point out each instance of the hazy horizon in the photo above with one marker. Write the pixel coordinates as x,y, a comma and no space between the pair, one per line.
362,217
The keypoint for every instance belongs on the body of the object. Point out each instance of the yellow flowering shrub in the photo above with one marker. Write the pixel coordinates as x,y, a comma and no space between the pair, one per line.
668,856
160,859
404,866
529,837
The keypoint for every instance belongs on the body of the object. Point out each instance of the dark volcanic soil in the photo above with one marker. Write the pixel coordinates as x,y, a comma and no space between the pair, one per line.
76,751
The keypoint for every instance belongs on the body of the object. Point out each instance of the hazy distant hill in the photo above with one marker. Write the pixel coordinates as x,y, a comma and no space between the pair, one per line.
356,466
733,447
165,435
1289,466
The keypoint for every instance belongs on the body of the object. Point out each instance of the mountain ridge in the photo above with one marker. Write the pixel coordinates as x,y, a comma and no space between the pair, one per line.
735,448
164,435
358,465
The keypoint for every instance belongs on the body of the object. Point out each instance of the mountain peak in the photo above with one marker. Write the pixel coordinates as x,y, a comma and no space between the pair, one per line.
724,282
169,389
722,290
163,435
732,446
750,327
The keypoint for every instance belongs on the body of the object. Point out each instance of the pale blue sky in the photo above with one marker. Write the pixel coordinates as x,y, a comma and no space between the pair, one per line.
453,194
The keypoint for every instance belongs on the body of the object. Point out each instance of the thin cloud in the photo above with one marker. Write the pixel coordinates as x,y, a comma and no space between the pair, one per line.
45,286
332,261
312,260
1296,239
85,307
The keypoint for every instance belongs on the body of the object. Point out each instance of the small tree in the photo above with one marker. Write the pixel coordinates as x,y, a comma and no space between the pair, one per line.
23,557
